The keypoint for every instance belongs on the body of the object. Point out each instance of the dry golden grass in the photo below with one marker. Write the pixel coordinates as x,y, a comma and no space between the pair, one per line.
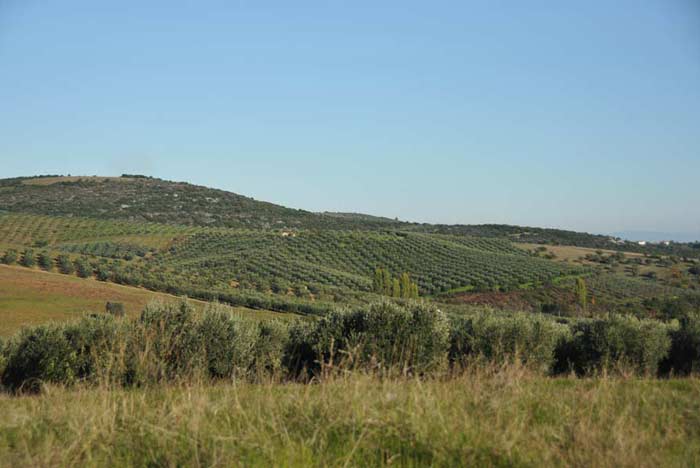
571,253
506,417
32,297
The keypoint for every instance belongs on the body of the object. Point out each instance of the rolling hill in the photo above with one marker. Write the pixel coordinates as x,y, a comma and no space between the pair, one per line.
210,244
140,198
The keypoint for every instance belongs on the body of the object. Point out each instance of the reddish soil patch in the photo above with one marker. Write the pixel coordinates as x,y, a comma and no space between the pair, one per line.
511,299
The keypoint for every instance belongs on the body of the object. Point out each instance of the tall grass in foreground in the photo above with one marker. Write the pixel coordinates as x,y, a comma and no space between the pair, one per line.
377,385
488,415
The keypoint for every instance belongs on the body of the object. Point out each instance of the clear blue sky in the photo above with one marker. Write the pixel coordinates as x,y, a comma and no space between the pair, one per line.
582,115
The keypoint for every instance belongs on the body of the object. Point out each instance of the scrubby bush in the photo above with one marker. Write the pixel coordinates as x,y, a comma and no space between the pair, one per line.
87,350
165,344
65,265
40,354
229,343
300,358
28,258
102,273
99,346
529,339
413,338
610,343
3,358
10,257
83,268
115,308
684,355
45,261
269,349
173,341
168,342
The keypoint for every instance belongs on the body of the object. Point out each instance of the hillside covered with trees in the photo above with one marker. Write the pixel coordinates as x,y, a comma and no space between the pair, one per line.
215,245
140,198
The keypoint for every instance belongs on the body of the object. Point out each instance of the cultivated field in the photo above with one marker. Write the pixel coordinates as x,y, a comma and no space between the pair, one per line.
214,258
31,297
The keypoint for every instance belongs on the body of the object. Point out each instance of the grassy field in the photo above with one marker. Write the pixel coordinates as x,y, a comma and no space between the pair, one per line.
660,266
30,297
503,417
571,253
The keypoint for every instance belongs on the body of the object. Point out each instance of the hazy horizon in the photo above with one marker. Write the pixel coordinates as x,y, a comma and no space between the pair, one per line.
582,118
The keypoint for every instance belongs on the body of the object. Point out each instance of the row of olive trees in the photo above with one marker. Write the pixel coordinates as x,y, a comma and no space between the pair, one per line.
173,342
28,258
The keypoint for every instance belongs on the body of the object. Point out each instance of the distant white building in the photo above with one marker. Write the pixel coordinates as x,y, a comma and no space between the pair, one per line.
642,242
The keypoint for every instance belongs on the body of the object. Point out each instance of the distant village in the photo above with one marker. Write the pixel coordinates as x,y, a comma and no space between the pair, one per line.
618,241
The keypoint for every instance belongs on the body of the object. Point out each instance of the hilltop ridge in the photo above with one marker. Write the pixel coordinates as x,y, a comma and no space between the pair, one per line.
143,198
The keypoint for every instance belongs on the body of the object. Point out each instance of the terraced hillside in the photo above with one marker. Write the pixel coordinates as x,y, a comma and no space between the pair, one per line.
142,198
348,259
210,244
309,264
28,230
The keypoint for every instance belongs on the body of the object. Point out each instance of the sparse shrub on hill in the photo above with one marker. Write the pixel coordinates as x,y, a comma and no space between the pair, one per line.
45,261
83,268
10,257
65,265
28,258
115,308
673,308
103,273
527,338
